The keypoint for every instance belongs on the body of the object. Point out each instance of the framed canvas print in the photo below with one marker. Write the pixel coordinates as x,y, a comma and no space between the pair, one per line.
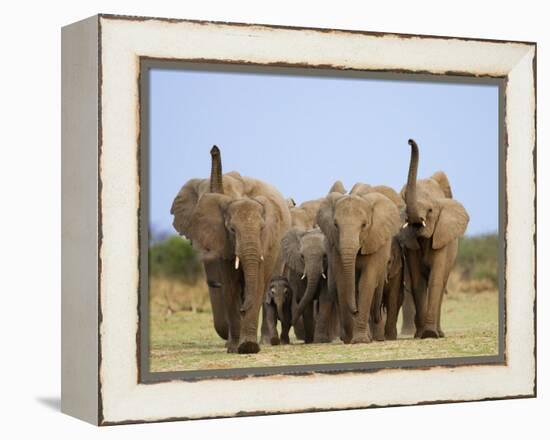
265,219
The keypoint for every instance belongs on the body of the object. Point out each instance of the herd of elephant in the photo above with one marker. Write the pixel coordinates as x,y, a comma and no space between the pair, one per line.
334,267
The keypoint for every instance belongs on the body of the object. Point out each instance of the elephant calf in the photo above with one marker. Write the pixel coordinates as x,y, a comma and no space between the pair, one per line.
278,307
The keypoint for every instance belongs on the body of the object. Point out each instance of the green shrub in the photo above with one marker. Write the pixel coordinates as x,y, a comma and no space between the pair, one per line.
478,258
174,258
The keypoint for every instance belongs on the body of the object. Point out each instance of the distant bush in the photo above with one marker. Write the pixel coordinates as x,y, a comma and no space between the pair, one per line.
174,258
477,259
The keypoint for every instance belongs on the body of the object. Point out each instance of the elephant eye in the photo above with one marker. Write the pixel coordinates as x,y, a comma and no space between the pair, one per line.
336,224
364,225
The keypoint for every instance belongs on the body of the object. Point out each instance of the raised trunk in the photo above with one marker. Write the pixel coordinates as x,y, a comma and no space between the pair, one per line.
410,197
216,183
313,278
348,265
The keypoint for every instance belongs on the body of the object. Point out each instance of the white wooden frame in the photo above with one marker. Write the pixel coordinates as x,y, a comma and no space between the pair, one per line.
100,135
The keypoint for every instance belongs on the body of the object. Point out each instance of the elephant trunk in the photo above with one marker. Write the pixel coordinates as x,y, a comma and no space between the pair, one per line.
410,196
280,309
349,256
250,265
313,277
216,182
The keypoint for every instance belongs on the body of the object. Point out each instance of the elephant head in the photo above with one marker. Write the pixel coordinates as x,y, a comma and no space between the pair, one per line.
228,227
305,253
431,211
278,294
356,225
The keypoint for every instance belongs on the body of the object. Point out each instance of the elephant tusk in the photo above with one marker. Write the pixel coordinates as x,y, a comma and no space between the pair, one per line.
303,276
323,275
262,257
405,225
423,224
236,263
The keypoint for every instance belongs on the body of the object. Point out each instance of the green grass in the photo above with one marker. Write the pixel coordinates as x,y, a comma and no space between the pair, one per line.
186,340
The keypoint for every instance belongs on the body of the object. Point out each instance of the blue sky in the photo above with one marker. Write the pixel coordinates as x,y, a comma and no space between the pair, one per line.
301,133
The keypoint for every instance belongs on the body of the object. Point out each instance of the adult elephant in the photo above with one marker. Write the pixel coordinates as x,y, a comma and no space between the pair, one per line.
236,225
359,228
390,294
305,257
435,221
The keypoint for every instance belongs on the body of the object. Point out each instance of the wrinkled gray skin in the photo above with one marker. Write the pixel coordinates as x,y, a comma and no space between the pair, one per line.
235,224
359,228
434,222
278,307
305,257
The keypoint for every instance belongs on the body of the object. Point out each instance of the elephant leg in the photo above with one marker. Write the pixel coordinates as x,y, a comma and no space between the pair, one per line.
436,286
346,318
269,325
377,329
334,329
286,323
232,296
309,324
324,315
439,331
408,327
418,288
248,341
299,330
361,328
217,300
394,298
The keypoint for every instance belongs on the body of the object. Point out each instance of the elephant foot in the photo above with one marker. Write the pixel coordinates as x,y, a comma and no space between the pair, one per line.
248,347
275,340
391,335
285,341
362,338
231,346
429,332
324,339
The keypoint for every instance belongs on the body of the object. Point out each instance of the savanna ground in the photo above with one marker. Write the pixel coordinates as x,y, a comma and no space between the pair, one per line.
182,336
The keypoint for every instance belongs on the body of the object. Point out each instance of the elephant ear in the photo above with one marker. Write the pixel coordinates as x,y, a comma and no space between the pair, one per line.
184,205
325,217
290,248
451,223
361,189
207,226
391,194
273,220
337,187
442,180
384,225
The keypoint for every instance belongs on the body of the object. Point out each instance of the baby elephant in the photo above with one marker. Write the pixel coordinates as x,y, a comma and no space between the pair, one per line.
278,307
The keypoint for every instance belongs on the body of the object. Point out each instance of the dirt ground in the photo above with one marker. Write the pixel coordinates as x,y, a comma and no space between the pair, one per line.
186,340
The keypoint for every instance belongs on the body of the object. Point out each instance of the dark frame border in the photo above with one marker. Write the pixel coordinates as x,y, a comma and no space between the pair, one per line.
142,336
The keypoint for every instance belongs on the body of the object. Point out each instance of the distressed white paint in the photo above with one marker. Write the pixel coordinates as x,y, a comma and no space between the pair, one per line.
123,42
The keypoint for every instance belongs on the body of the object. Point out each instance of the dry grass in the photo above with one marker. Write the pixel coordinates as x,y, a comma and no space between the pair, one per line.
183,339
170,296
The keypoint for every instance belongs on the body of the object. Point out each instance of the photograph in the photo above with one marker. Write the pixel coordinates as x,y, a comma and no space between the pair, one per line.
318,218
